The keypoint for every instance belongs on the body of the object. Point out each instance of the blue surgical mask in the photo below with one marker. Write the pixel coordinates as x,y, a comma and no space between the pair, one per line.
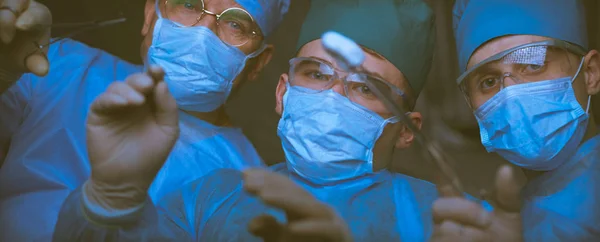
537,125
327,138
199,67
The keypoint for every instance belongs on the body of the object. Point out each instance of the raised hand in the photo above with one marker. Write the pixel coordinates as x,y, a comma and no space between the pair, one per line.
307,218
24,27
458,219
131,129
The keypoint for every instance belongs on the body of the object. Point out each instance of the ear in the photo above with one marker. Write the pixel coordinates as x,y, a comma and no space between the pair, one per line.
406,137
279,92
592,72
261,61
149,14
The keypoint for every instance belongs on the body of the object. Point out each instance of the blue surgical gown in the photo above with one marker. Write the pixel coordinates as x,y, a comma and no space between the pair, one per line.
379,207
43,148
564,204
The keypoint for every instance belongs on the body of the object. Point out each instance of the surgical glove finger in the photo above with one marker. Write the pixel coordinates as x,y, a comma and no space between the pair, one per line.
9,11
141,83
320,230
508,189
452,231
266,227
166,111
36,17
461,210
279,191
117,97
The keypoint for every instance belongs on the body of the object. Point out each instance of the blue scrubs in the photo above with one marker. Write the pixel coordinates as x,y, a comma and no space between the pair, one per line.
564,204
380,207
43,147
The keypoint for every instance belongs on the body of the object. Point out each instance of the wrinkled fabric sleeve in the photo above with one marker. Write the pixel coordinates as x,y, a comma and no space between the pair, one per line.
13,110
76,222
179,216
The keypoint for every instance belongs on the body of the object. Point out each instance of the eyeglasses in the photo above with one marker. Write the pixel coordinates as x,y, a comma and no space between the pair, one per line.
316,75
236,26
533,62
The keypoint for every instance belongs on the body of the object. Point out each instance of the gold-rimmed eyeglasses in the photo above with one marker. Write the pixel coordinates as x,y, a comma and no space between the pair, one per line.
236,26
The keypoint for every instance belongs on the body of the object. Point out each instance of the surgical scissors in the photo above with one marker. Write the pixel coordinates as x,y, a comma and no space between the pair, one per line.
84,26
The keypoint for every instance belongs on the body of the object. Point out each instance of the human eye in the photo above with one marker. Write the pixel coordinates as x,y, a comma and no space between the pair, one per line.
487,83
532,68
317,75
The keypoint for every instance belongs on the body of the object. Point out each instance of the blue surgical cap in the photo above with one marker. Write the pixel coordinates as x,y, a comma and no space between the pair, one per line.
268,14
479,21
402,31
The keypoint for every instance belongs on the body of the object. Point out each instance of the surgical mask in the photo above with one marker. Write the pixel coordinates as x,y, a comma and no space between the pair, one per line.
536,125
199,67
327,138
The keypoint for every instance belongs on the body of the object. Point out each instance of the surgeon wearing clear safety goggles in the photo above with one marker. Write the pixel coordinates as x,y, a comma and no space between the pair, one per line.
531,100
317,99
529,78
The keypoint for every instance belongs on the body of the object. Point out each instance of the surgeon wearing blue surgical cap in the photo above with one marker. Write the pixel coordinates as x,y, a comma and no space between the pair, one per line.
208,48
528,74
338,140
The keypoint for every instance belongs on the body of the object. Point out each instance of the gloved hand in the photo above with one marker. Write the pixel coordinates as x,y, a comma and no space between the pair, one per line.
24,27
131,129
458,219
308,219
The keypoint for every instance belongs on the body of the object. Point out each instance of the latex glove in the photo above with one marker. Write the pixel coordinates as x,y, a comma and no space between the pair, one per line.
131,129
458,219
308,219
24,26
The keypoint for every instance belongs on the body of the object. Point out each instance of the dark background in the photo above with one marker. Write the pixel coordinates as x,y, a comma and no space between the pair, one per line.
446,116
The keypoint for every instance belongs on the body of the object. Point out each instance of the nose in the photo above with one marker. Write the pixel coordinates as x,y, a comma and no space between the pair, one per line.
338,86
209,20
508,80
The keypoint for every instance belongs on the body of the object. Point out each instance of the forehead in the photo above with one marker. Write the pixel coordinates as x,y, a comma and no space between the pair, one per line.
373,64
500,44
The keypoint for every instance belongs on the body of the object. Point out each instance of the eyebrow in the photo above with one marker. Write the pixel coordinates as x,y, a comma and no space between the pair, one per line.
375,74
321,59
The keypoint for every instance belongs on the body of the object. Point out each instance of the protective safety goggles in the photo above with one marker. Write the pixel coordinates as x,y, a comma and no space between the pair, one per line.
533,62
235,26
317,75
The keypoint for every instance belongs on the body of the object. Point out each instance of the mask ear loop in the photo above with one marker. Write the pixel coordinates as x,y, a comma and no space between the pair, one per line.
578,70
588,105
260,50
587,109
157,8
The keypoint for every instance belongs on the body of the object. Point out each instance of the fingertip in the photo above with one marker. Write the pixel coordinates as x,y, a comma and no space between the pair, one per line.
163,93
156,72
118,99
140,82
505,171
507,177
37,64
136,98
265,226
24,22
252,182
108,101
438,205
